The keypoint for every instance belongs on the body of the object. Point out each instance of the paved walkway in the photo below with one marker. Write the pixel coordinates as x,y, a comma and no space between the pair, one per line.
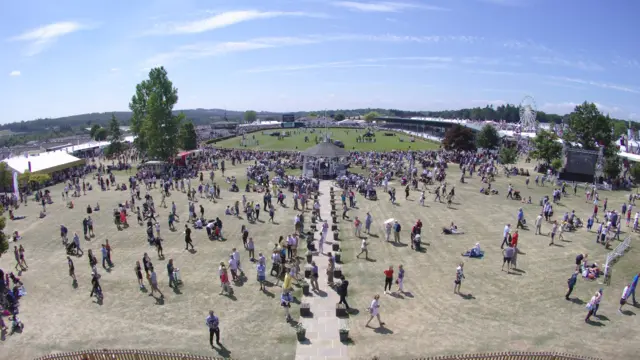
322,329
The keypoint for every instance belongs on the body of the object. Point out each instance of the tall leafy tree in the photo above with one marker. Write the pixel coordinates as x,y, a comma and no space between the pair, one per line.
153,121
339,117
6,176
370,116
4,242
508,155
94,130
459,138
101,134
488,137
250,116
546,146
116,146
188,136
588,127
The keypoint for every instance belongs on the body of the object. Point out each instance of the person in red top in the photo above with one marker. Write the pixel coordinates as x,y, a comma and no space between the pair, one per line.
514,239
388,278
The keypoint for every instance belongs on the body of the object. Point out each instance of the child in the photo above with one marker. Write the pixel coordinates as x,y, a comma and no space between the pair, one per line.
589,223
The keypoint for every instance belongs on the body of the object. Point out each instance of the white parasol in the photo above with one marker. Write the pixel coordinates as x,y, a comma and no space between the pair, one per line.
389,221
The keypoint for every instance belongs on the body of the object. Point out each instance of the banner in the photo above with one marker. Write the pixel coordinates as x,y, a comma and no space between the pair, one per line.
16,190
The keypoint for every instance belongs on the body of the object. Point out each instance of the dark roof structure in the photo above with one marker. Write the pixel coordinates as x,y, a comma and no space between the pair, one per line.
325,149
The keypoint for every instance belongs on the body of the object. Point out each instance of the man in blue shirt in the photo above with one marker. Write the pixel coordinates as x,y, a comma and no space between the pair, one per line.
571,283
213,324
634,283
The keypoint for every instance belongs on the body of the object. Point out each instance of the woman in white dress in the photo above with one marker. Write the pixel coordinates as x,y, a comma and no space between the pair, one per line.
374,311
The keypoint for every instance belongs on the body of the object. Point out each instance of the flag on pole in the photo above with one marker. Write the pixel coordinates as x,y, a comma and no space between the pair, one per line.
16,192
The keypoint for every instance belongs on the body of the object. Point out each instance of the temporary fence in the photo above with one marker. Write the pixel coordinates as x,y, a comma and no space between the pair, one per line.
124,355
156,355
613,256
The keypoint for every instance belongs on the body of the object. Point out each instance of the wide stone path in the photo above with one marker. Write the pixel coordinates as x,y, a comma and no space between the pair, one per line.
323,339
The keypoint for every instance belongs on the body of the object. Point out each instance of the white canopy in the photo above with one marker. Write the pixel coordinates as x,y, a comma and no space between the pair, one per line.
44,163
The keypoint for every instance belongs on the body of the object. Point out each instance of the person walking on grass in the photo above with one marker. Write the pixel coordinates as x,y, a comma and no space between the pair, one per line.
634,284
23,262
400,279
388,279
138,270
593,305
625,295
363,249
343,289
153,280
507,257
458,281
314,277
72,268
187,238
571,283
213,323
262,275
374,311
554,229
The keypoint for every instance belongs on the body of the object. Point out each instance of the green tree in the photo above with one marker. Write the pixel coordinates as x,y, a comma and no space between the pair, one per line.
634,171
339,117
33,180
101,134
488,137
188,136
619,128
6,176
508,155
153,121
556,164
116,146
250,116
4,242
93,130
612,166
459,138
313,115
371,116
588,127
546,146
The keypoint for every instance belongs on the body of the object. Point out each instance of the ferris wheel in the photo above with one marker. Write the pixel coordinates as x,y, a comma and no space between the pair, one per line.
528,111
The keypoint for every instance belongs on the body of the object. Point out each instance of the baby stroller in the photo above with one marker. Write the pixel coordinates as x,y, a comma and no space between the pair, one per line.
372,195
177,278
71,248
516,195
16,325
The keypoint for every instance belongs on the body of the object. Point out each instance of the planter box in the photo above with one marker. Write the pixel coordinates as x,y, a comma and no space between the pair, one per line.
334,246
341,310
307,274
333,207
344,336
335,237
313,227
337,273
313,220
309,259
334,227
301,335
305,310
333,213
315,197
338,257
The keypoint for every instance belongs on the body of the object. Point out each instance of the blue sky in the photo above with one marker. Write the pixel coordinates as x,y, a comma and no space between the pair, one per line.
68,57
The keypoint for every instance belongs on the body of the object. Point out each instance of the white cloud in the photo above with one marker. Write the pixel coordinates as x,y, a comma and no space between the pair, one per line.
114,70
222,20
582,65
628,63
568,107
424,63
513,3
15,73
39,39
384,6
202,50
525,45
623,88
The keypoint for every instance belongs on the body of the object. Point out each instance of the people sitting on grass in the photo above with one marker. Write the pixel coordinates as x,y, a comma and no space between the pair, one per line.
452,229
590,272
475,252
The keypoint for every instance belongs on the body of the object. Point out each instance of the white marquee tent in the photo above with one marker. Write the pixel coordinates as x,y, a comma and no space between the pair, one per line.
43,163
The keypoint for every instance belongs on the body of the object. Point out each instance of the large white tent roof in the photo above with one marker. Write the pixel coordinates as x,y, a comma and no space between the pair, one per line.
45,162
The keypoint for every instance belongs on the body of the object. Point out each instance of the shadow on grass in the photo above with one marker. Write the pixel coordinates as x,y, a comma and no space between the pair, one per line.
595,323
628,313
577,301
222,351
383,330
467,296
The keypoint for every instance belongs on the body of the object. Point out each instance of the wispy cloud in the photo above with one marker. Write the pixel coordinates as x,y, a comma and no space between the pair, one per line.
384,6
422,63
556,61
202,50
623,88
569,106
512,3
525,45
222,20
40,38
628,63
15,73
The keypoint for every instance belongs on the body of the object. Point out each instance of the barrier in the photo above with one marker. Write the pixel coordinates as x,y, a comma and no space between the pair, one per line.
158,355
107,354
613,256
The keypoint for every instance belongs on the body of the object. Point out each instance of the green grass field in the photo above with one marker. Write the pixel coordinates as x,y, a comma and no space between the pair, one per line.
264,141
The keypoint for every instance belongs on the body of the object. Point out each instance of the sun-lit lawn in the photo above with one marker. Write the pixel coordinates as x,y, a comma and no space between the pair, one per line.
264,141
